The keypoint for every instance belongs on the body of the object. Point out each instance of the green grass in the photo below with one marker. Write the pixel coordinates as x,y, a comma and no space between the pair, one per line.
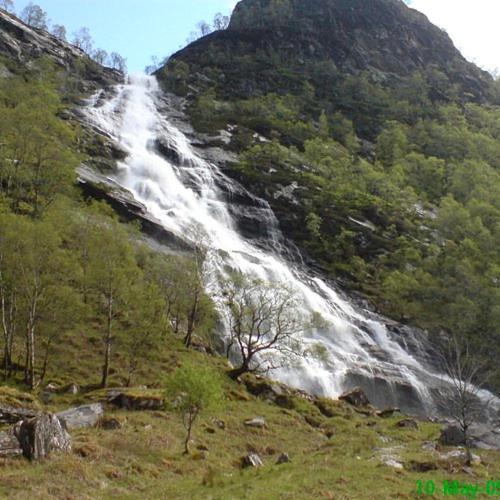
144,459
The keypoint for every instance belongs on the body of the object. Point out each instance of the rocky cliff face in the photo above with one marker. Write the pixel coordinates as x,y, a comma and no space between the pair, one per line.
383,37
22,45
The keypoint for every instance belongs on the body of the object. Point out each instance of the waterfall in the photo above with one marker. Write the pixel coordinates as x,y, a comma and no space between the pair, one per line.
185,194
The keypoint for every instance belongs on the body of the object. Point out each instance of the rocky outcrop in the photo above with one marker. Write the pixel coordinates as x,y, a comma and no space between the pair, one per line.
22,44
41,436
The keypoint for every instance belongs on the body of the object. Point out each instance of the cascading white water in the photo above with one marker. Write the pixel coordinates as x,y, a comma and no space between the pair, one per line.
185,196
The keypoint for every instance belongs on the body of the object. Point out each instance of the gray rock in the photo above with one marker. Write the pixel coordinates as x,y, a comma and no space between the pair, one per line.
72,389
257,422
407,423
220,424
82,416
9,415
284,458
252,460
355,397
41,436
109,424
388,412
391,462
486,438
9,444
461,456
429,446
137,402
452,435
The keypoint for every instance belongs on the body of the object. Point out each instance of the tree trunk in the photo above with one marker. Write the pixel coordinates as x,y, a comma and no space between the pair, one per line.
236,372
188,438
107,342
30,343
192,414
192,320
45,361
8,325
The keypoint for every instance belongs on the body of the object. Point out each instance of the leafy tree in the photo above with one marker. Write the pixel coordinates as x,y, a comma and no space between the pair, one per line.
204,28
33,15
145,322
220,22
59,31
180,283
83,40
116,61
34,272
100,56
193,390
35,156
262,321
112,270
7,5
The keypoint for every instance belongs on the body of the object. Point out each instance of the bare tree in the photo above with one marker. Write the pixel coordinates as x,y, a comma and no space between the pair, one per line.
7,5
220,22
100,56
262,321
83,40
118,62
204,28
34,16
154,66
59,31
468,376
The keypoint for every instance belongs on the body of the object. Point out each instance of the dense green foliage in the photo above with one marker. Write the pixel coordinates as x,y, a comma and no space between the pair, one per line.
193,390
68,267
396,188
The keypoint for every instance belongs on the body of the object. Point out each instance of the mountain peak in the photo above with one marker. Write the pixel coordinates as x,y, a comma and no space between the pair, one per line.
383,37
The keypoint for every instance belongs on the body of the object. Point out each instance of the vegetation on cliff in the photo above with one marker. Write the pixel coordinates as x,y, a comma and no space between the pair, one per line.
68,267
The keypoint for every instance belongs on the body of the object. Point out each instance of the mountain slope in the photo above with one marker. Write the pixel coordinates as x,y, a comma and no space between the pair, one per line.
374,141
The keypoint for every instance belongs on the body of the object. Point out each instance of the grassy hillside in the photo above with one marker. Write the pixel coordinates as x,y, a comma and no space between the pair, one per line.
331,457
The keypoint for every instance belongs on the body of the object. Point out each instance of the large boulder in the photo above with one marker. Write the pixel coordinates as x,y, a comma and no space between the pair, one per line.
82,416
41,436
355,397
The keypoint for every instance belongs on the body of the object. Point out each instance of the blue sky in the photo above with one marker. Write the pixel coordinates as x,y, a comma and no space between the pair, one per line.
137,29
